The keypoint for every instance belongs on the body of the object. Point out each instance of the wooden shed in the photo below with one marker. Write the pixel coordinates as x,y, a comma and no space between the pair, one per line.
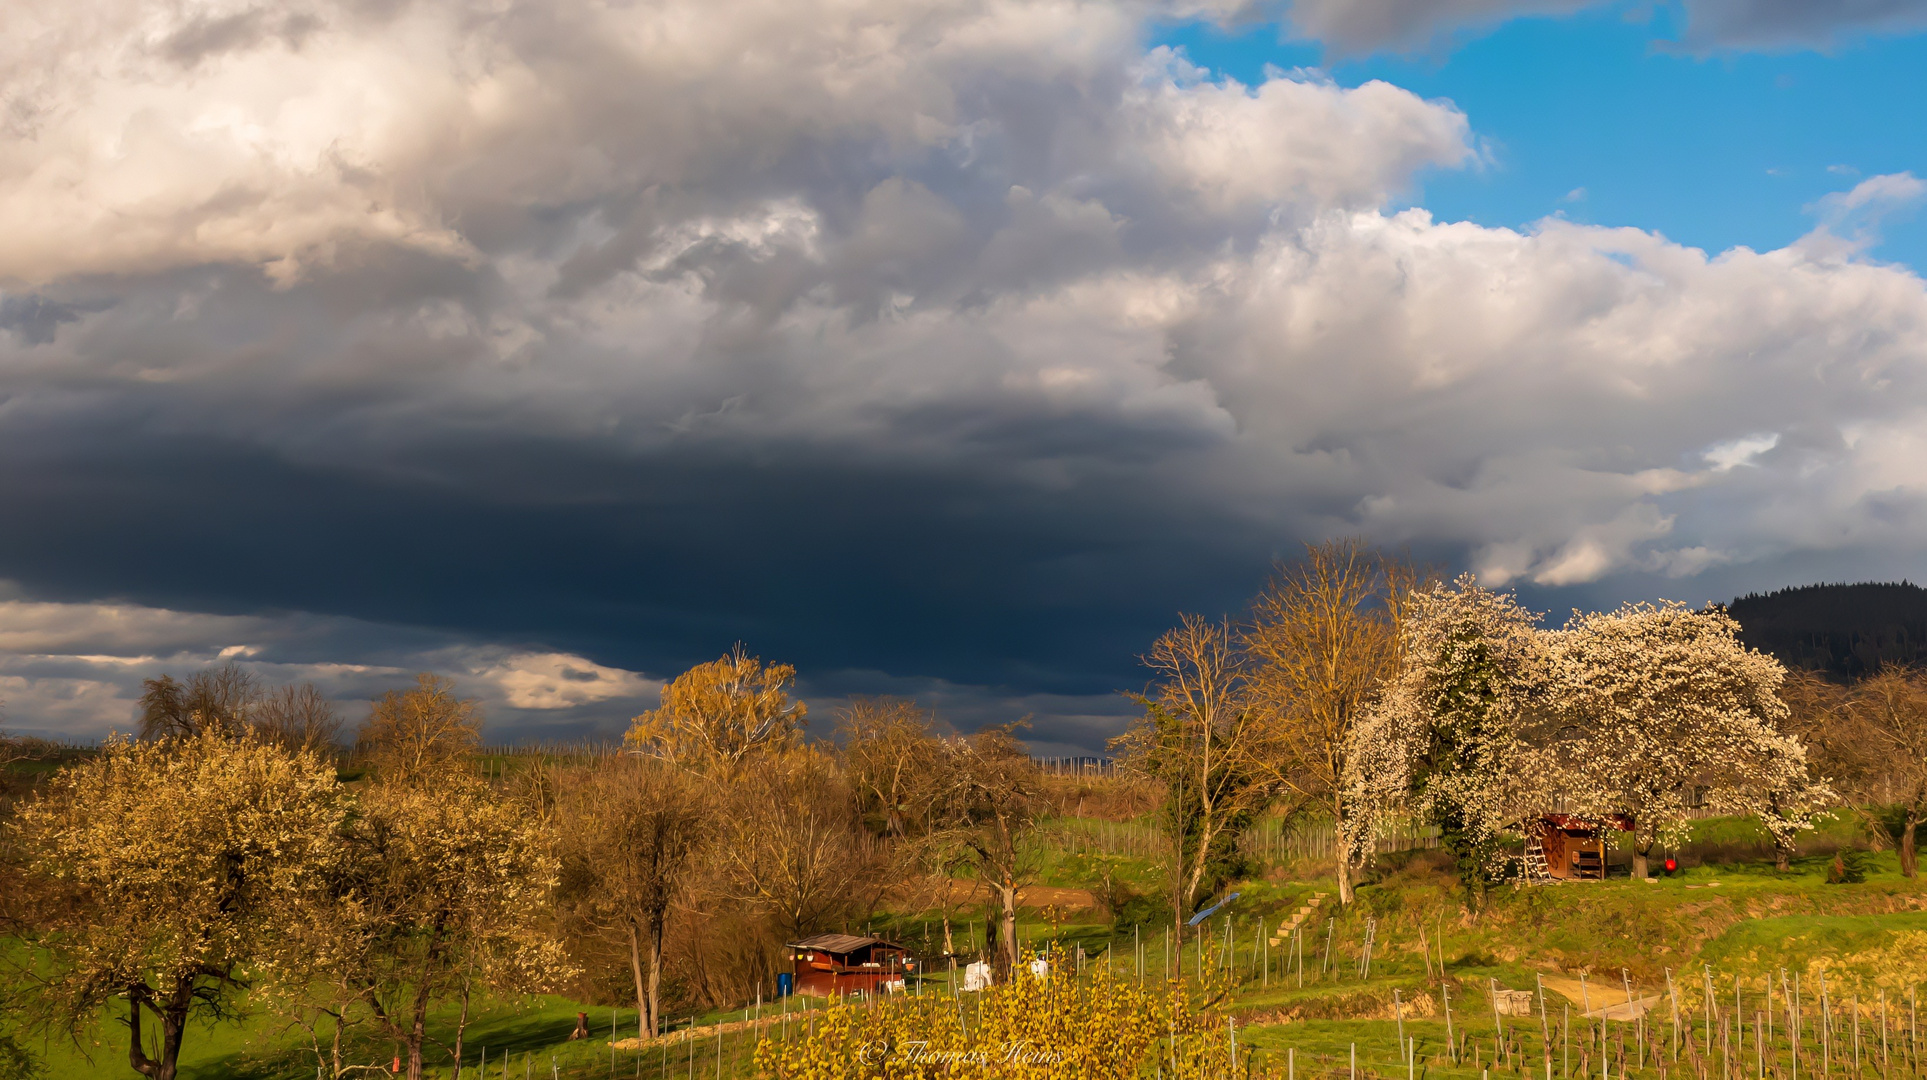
831,964
1575,848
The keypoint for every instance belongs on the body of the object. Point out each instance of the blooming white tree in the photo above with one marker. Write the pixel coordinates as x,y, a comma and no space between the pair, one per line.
1458,736
1660,703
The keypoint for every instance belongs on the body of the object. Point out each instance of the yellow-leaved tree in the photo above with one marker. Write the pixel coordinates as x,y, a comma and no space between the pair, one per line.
181,857
1322,642
717,715
420,732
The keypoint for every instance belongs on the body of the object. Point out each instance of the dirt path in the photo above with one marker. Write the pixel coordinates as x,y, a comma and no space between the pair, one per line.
955,893
1607,997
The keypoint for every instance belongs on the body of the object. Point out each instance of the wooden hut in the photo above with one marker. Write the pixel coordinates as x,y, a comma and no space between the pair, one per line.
831,964
1575,848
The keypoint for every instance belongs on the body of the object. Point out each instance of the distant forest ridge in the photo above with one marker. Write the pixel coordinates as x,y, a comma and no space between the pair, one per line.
1843,631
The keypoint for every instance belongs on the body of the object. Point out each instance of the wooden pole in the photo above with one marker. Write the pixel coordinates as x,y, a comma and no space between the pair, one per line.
1545,1029
1672,995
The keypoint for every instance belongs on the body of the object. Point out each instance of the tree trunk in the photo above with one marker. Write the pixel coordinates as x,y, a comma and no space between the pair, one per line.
413,1044
334,1049
1640,856
1341,854
1007,927
635,970
461,1028
1205,835
1909,855
173,1017
417,1033
1783,852
655,977
137,1058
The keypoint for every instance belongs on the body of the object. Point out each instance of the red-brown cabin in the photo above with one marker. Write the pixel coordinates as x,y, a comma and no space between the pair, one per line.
1575,847
830,964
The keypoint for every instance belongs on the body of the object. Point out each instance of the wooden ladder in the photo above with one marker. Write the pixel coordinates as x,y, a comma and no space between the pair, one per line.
1537,872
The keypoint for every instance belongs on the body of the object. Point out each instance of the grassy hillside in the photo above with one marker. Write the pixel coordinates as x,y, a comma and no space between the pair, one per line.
1730,913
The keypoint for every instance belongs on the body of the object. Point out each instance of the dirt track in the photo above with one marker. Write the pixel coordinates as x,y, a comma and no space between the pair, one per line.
955,894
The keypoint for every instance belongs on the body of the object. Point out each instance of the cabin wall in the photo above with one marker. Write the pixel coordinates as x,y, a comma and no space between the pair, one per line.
1558,850
819,979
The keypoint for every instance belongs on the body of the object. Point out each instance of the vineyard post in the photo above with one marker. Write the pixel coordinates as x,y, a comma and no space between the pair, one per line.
1672,996
1545,1028
1798,1034
1826,1030
1498,1025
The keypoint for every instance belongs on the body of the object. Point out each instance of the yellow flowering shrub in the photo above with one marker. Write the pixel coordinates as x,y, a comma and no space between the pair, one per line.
1100,1025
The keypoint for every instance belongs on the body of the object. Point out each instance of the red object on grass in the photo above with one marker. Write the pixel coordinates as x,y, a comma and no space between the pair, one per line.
1672,865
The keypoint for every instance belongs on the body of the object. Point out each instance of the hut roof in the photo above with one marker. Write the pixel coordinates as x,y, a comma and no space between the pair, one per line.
839,943
1571,824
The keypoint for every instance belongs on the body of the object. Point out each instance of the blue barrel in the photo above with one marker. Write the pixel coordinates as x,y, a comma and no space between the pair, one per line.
783,986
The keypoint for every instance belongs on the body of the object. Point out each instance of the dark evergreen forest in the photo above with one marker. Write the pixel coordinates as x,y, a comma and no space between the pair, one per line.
1845,631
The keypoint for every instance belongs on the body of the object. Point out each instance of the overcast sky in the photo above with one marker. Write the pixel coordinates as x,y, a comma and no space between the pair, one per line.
940,347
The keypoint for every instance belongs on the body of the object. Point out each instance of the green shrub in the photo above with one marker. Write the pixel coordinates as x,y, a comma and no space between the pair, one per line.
1849,867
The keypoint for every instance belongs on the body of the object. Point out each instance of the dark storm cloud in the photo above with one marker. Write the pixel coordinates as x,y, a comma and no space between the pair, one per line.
650,563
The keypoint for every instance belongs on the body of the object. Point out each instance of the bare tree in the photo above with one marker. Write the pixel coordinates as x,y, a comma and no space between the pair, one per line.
419,732
715,716
981,797
1201,740
297,718
1888,715
220,700
888,745
1840,768
1323,639
794,851
635,828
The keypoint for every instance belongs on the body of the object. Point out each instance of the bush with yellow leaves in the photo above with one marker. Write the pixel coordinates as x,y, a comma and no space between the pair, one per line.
1102,1026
